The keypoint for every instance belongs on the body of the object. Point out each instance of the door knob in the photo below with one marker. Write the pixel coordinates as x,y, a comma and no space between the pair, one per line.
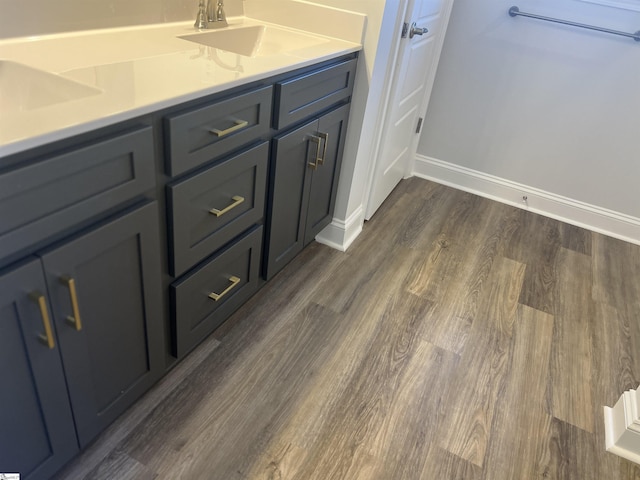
417,30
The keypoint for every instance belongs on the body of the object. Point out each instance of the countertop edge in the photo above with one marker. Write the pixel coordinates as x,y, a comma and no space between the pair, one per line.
24,144
32,130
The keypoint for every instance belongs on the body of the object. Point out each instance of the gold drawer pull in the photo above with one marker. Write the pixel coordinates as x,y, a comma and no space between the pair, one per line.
73,320
237,200
317,161
47,338
239,125
217,296
325,137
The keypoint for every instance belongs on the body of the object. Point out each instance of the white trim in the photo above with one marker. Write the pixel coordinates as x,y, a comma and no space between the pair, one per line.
621,427
623,4
592,217
340,234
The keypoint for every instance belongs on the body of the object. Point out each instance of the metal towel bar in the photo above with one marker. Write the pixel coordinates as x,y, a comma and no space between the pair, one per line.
515,11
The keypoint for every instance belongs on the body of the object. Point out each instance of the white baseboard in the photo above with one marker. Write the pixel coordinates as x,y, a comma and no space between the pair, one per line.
622,427
340,234
597,219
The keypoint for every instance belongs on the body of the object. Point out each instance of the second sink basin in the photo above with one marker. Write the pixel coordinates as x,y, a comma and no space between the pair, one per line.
255,41
27,88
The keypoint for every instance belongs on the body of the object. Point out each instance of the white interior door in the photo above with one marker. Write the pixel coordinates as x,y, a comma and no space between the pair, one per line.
415,67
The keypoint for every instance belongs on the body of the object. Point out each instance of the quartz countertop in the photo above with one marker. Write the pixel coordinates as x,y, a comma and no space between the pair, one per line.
138,70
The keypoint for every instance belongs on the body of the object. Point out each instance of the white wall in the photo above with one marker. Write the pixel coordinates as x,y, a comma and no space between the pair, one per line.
541,106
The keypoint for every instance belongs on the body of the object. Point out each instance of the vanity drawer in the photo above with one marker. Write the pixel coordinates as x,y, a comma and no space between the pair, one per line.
205,298
203,134
67,189
212,207
308,94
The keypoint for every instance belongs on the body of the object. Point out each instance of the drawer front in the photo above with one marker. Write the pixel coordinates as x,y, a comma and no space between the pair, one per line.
212,207
205,298
201,135
304,96
45,198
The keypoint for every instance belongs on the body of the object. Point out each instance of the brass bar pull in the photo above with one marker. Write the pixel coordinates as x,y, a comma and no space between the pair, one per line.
237,200
239,125
217,296
47,338
325,137
73,320
313,165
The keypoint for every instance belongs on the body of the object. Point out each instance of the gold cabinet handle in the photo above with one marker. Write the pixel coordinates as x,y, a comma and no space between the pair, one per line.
317,140
73,320
237,200
217,296
239,125
47,338
323,157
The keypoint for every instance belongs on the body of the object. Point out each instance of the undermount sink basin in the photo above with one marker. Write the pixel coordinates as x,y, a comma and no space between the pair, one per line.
255,41
27,88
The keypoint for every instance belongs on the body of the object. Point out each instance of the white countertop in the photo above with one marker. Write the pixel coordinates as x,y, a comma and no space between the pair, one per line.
138,70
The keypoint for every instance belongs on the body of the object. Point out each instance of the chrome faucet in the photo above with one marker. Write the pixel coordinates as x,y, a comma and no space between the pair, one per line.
201,17
211,17
217,17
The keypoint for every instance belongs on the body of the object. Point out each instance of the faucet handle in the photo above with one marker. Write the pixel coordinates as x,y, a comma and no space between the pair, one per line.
201,18
220,15
215,13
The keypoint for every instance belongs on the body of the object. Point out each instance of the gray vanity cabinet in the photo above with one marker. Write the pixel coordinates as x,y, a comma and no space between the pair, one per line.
104,288
304,179
37,435
215,212
81,317
212,207
302,96
44,197
108,244
306,159
207,295
289,196
198,135
81,340
324,178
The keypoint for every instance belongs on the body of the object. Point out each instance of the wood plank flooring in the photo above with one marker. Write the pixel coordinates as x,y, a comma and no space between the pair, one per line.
458,338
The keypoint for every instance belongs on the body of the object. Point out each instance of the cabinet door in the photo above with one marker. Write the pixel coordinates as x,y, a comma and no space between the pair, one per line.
36,427
324,181
289,196
106,302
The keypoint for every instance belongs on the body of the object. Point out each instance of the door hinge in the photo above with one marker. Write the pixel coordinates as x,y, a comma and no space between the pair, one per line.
419,127
405,30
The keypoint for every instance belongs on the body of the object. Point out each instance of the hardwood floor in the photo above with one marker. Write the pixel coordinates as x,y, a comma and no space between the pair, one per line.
458,338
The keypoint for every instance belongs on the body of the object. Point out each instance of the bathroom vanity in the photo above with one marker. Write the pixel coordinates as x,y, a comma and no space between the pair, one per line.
128,235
